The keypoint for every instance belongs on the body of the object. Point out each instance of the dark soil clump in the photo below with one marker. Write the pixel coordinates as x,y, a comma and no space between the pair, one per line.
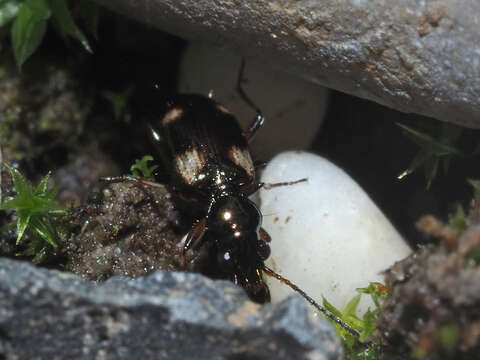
129,231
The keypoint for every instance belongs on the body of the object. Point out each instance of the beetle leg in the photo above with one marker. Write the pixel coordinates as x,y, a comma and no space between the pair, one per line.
252,188
268,186
263,249
126,178
259,119
195,235
254,126
194,239
264,235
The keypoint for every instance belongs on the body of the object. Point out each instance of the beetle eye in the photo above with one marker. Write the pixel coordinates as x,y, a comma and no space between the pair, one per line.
263,250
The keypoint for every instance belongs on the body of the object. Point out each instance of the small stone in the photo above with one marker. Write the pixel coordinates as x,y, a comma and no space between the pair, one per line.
328,237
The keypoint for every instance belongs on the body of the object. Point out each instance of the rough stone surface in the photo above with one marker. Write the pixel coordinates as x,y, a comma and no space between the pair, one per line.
46,314
414,56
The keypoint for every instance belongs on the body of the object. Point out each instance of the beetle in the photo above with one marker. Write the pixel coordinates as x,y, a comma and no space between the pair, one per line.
212,168
213,174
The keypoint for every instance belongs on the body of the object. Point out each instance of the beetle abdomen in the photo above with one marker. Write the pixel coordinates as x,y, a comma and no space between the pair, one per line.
202,135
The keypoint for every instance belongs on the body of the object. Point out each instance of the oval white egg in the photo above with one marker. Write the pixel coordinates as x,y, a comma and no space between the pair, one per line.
328,236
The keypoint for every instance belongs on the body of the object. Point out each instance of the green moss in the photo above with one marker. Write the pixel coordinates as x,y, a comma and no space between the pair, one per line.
37,214
141,168
437,144
365,347
449,335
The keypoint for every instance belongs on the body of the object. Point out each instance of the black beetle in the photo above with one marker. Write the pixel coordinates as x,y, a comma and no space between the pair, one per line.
212,172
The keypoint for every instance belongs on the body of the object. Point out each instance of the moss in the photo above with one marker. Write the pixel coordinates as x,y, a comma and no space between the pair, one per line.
434,309
368,345
37,214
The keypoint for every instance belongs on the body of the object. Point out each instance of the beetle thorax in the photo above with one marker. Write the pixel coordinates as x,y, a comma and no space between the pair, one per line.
236,216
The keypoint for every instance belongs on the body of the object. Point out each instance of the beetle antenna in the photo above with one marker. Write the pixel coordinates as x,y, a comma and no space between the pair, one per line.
319,307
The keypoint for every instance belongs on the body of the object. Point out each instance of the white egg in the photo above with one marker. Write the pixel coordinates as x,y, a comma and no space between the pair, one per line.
328,236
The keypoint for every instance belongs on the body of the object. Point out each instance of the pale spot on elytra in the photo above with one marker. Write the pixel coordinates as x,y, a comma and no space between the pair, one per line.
222,109
189,164
242,159
172,116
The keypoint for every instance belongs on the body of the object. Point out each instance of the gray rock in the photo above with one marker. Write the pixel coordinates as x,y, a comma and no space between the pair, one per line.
414,56
47,314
